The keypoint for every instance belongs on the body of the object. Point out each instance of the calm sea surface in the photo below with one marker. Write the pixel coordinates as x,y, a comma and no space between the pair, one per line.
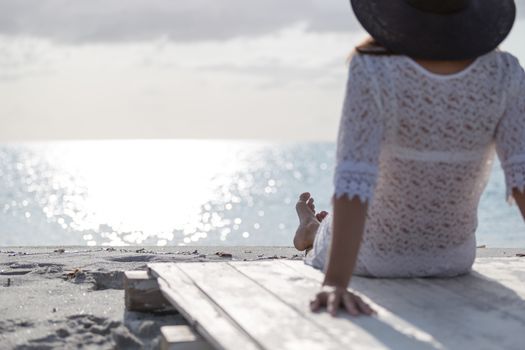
182,193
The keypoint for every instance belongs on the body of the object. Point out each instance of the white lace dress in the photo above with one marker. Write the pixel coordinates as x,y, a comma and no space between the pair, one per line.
418,147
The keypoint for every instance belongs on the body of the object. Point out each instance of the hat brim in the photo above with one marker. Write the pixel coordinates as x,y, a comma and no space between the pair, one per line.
403,29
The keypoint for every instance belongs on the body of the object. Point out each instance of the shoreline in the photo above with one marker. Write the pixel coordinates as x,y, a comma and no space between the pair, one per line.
58,296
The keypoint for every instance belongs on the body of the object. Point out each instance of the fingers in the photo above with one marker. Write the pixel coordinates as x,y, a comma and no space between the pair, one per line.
350,305
333,300
333,304
318,302
315,304
364,307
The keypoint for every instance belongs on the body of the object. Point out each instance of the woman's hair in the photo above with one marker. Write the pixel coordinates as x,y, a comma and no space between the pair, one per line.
371,47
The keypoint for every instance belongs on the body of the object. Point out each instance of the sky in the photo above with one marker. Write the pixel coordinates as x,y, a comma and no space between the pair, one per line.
228,69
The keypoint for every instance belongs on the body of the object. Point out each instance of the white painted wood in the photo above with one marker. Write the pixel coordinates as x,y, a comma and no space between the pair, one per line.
272,322
137,275
269,300
510,272
181,338
385,331
457,313
199,310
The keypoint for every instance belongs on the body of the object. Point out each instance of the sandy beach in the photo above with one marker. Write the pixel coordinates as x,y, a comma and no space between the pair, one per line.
66,297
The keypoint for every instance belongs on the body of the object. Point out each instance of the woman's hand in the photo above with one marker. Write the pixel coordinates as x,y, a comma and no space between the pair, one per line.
336,297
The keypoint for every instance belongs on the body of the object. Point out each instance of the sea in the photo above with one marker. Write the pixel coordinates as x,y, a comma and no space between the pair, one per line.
183,192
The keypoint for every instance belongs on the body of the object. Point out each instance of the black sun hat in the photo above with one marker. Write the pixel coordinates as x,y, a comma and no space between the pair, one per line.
437,29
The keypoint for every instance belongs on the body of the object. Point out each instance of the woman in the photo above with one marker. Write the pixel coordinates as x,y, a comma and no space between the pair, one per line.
426,101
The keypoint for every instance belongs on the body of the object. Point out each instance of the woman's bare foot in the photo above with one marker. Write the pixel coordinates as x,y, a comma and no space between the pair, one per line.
308,222
320,216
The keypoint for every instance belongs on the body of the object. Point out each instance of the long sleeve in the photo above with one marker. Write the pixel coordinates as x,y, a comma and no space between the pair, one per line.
360,134
510,135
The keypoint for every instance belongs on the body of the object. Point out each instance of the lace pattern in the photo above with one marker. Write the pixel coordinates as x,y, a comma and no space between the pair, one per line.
419,148
510,135
355,179
514,178
453,262
359,139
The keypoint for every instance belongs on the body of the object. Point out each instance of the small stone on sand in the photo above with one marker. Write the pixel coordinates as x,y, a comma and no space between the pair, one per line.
224,255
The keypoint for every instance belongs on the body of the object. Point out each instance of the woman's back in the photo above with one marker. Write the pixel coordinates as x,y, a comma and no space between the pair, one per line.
415,147
420,146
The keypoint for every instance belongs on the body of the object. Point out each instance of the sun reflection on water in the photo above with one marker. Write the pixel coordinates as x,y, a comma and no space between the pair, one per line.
153,192
175,192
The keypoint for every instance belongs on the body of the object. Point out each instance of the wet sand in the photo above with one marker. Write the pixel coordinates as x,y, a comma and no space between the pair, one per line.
66,297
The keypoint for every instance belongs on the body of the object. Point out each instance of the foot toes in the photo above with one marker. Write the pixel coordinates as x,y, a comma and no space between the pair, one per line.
310,203
320,216
304,196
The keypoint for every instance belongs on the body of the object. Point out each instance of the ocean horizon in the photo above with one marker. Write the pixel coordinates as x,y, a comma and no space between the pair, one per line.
183,192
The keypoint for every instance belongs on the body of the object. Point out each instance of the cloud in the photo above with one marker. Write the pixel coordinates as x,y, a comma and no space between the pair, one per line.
132,20
294,50
237,88
191,20
244,70
28,57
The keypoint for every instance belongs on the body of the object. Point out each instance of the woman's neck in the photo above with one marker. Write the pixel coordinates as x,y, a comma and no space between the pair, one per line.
444,67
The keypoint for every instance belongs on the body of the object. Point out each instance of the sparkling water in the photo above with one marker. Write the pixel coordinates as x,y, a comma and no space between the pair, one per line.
182,193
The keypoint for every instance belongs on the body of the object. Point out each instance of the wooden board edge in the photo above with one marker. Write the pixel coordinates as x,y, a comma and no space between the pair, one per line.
168,291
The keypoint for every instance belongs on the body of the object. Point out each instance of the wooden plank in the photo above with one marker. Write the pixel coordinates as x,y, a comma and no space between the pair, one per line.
142,293
386,296
496,290
207,318
269,300
456,312
357,332
510,272
273,323
496,284
181,338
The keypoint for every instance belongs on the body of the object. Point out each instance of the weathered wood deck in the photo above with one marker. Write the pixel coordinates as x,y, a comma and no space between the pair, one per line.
265,305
